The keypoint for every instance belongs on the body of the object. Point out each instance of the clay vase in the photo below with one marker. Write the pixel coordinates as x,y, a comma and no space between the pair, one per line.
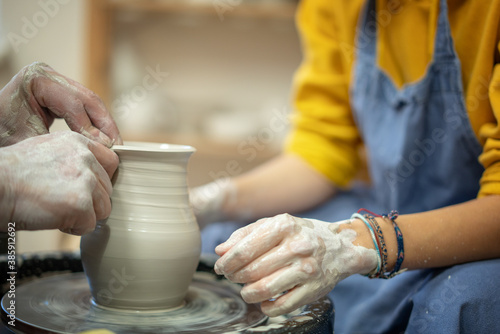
143,257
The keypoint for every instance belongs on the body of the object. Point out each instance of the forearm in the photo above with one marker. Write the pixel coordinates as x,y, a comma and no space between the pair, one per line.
461,233
284,184
452,235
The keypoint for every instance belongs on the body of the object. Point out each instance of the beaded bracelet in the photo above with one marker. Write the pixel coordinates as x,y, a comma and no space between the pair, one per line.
392,216
383,249
378,269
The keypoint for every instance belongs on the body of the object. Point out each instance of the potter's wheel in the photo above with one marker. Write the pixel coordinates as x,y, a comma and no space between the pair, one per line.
62,304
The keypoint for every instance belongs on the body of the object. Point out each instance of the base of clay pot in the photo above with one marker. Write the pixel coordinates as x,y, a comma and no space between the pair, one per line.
138,310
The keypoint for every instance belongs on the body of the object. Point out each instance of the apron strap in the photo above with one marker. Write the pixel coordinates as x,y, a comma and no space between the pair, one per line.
366,42
443,43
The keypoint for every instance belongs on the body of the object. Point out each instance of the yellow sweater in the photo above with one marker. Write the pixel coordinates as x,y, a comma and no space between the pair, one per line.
324,133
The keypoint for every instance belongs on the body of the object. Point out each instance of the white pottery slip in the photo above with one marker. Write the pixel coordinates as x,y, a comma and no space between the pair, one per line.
145,254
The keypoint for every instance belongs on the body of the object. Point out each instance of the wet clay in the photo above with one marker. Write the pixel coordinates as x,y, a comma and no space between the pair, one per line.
145,254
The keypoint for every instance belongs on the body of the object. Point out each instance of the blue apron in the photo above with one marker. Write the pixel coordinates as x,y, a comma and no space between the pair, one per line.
423,155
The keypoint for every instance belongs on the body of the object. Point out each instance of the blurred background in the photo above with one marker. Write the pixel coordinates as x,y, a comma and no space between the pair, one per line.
215,74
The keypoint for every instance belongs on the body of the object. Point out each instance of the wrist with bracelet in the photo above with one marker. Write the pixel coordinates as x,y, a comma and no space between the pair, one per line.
379,242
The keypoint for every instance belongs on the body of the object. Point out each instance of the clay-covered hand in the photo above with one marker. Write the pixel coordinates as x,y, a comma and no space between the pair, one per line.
207,201
287,262
38,94
59,180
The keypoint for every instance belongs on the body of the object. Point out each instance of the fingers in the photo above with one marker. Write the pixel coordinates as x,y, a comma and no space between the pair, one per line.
102,165
81,123
98,122
288,302
84,223
265,265
235,237
82,109
75,213
284,291
100,118
273,285
98,189
107,159
79,120
104,170
91,202
101,202
248,244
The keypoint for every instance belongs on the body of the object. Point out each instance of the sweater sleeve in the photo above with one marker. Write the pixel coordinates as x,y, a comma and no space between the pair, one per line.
323,131
490,132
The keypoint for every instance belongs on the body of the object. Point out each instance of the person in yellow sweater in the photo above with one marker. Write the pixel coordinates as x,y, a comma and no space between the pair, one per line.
415,86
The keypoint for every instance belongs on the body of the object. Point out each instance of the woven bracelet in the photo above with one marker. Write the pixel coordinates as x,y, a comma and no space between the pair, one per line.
392,216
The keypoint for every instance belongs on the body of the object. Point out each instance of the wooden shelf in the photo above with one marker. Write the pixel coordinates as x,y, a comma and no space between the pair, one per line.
221,8
101,14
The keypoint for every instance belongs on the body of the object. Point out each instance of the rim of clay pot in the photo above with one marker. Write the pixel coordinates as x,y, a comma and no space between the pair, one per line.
152,147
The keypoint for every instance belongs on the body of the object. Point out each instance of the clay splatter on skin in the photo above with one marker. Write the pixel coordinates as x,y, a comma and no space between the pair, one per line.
19,112
64,175
304,257
38,94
